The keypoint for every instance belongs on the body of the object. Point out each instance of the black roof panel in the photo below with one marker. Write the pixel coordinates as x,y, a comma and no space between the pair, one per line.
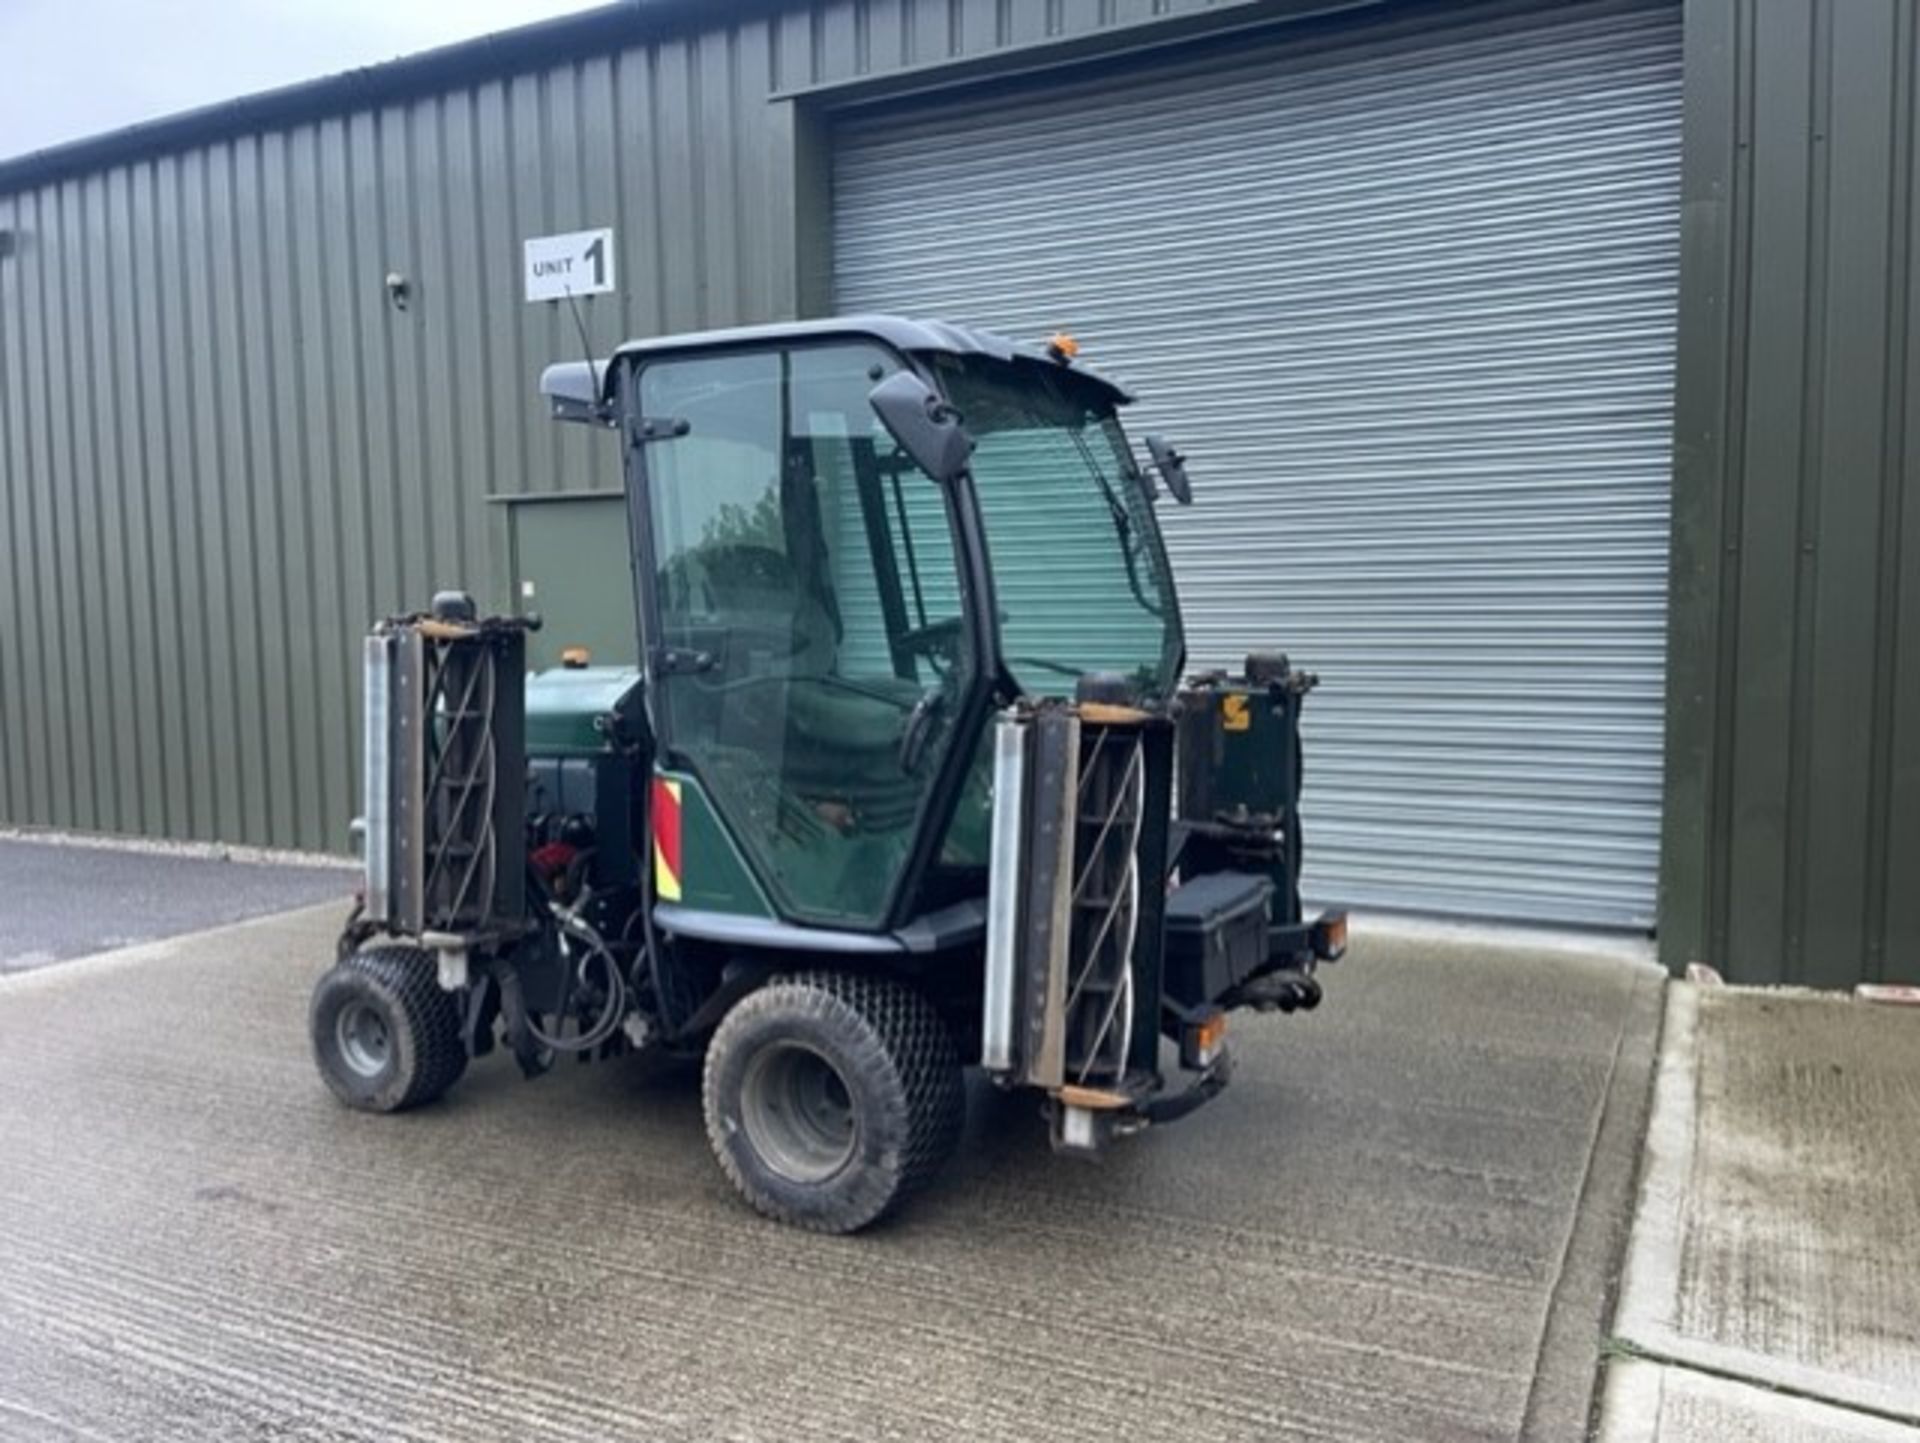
573,381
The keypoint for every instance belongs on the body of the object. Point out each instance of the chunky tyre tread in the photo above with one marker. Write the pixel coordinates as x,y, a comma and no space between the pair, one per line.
896,1056
429,1052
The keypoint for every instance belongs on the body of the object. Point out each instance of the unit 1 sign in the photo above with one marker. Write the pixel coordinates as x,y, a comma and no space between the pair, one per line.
580,263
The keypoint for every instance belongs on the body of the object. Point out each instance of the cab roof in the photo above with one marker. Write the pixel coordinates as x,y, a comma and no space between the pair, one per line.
579,390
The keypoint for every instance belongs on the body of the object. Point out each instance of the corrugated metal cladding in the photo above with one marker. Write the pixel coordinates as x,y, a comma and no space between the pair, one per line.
1794,830
222,451
1410,306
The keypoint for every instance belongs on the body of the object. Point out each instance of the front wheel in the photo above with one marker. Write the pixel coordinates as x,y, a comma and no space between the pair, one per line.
385,1037
832,1096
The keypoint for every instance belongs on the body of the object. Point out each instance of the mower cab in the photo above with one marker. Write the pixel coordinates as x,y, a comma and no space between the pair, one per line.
910,776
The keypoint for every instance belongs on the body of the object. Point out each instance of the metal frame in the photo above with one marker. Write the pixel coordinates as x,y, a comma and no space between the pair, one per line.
1003,905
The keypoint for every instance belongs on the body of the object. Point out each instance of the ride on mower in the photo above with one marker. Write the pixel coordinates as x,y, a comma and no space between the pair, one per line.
910,779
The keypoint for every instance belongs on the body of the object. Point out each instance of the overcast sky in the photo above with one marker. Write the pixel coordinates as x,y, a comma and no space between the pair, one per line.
73,68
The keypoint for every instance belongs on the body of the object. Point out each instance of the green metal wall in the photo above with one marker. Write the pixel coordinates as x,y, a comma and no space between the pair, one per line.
1792,850
222,451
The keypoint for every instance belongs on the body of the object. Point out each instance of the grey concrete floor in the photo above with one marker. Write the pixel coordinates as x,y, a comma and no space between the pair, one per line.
72,897
1774,1241
1391,1226
1648,1401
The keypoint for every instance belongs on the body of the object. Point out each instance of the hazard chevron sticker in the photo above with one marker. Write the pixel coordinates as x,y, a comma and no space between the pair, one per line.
666,839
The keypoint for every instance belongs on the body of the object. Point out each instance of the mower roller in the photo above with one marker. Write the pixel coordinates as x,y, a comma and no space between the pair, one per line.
911,777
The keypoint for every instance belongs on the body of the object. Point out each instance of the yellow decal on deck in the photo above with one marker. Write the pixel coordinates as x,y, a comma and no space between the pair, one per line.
1234,716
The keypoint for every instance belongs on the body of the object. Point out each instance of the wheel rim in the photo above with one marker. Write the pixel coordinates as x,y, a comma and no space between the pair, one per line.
366,1044
797,1112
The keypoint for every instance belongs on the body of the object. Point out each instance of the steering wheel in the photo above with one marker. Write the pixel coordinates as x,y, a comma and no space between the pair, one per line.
779,642
826,680
748,562
935,636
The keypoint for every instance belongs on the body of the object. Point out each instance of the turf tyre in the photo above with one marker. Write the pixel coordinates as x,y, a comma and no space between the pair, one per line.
385,1037
895,1060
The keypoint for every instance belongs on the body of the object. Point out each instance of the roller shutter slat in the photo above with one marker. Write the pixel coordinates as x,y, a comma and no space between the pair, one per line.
1410,311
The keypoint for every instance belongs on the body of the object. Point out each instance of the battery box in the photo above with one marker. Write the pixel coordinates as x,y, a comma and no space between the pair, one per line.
1216,931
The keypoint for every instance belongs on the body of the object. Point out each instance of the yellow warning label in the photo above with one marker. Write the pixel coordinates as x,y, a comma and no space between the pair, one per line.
1234,716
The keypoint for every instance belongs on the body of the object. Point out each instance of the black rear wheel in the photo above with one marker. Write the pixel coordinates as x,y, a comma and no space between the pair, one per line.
831,1097
385,1037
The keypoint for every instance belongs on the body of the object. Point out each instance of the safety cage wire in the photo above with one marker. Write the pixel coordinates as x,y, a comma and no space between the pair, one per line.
1111,814
462,684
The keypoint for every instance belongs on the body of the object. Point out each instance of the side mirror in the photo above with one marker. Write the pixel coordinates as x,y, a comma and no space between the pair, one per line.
572,389
1172,467
927,428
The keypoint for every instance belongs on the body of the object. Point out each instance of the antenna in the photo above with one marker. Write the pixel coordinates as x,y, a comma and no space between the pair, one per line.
586,347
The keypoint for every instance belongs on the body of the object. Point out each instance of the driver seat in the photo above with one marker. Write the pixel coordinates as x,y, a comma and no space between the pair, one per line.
833,740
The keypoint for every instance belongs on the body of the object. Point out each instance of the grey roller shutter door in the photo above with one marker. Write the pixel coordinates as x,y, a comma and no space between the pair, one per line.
1408,305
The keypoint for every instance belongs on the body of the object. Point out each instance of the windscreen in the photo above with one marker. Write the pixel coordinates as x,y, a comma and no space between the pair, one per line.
1080,575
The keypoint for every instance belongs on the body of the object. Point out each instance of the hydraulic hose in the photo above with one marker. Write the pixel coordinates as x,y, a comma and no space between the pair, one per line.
616,1004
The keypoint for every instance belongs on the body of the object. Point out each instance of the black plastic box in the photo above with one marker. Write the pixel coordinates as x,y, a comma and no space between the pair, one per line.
1216,935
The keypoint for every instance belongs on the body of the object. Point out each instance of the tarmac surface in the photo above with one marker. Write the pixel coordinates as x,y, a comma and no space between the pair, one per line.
71,896
1773,1251
1396,1224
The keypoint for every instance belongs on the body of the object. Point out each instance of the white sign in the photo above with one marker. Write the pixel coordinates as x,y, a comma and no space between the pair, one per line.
579,264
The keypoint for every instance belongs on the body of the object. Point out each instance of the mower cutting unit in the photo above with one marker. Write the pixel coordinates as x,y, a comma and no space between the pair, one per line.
909,778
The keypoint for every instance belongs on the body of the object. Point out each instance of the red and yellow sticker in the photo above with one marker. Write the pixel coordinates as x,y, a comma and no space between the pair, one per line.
666,839
1234,716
